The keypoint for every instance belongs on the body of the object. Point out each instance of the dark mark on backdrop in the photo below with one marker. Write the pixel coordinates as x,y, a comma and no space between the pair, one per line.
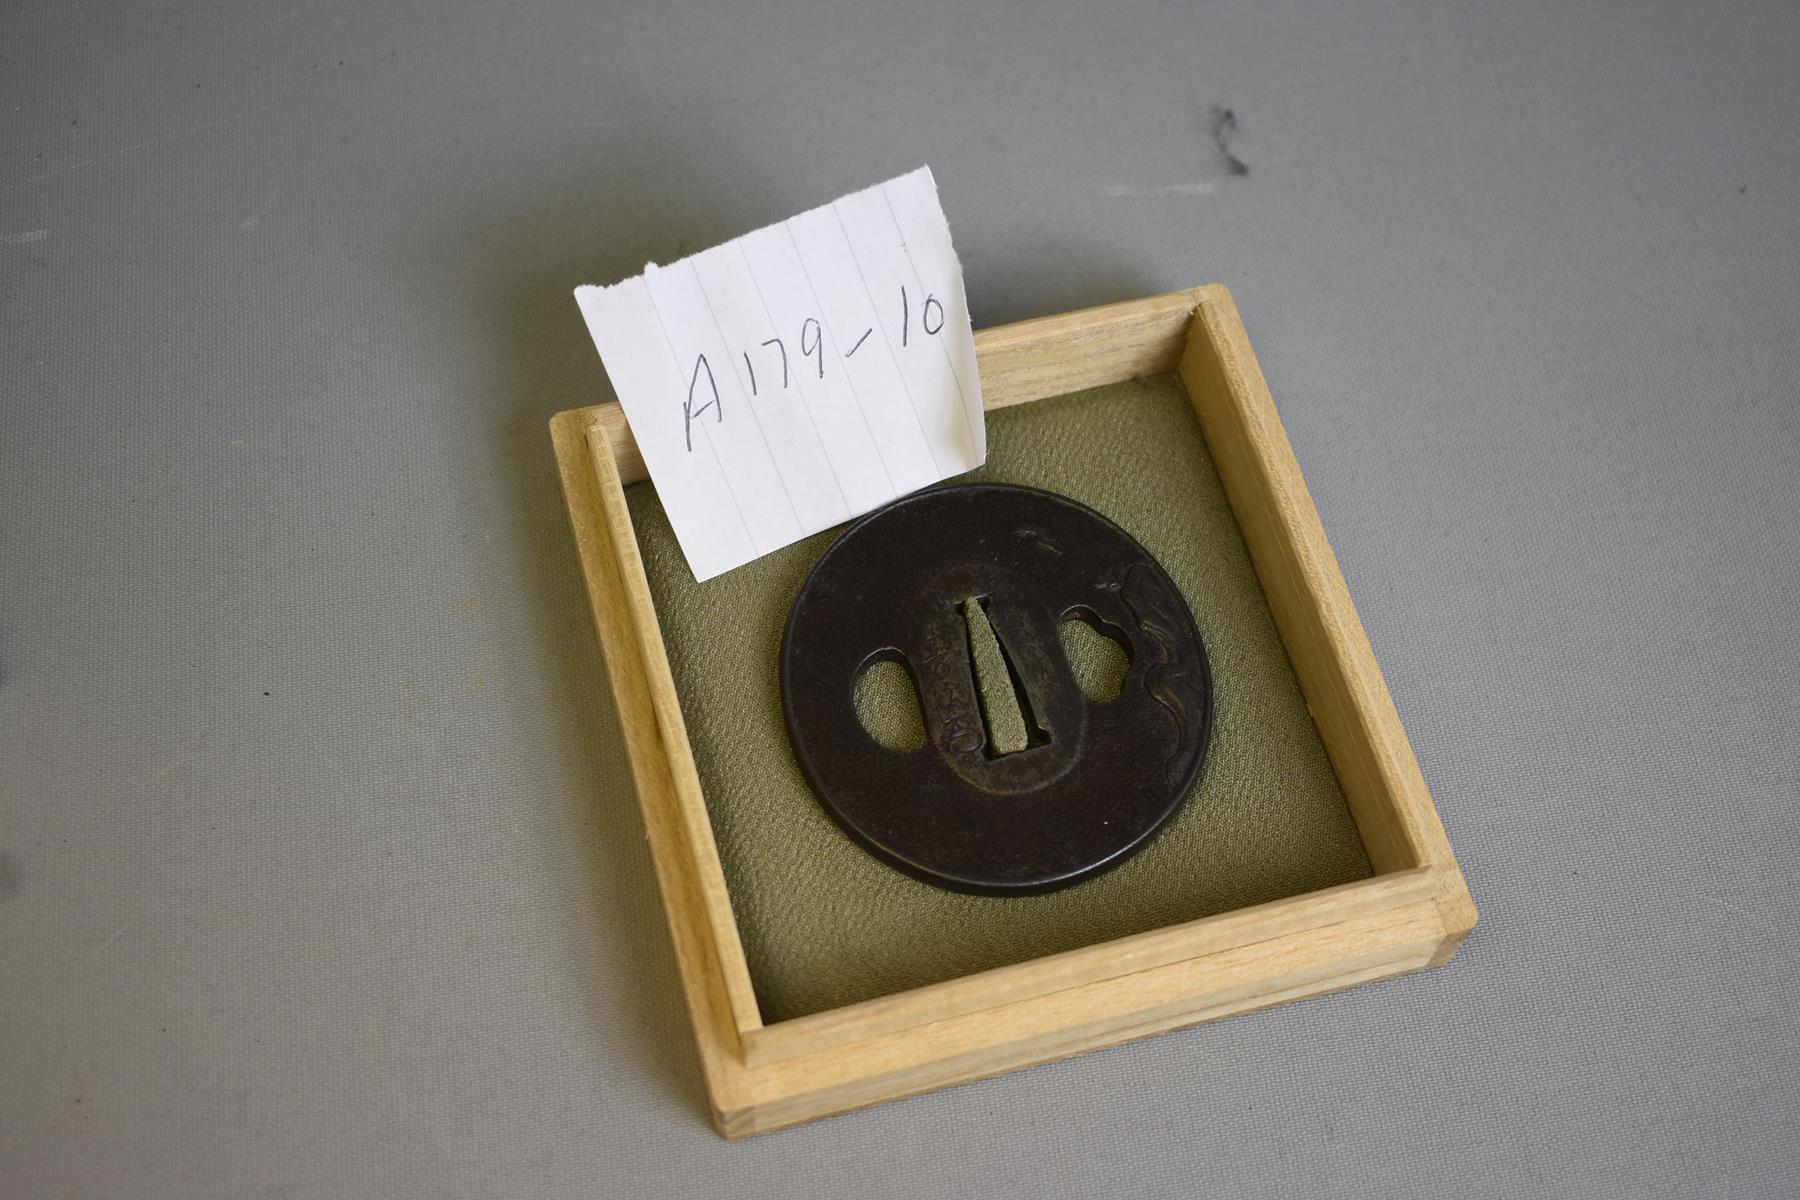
1224,129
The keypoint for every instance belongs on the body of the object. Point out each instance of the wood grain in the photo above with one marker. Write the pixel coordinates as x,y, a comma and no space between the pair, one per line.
1104,1013
1311,603
595,501
1089,964
1413,913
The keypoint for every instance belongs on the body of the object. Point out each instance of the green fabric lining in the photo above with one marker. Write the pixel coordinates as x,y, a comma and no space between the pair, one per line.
823,922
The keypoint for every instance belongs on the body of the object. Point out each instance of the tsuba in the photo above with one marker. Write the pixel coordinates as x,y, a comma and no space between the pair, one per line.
1098,780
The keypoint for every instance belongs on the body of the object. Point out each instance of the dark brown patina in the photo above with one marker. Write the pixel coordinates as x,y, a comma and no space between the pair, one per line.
1096,781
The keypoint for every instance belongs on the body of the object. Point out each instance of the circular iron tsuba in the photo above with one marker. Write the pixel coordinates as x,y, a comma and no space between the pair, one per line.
1099,780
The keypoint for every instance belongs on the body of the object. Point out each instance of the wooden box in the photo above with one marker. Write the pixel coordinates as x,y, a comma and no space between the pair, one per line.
1411,913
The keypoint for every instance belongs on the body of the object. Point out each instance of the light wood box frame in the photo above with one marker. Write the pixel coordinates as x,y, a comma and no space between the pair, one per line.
1412,913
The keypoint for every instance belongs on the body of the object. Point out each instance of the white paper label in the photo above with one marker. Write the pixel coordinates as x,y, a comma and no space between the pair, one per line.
800,375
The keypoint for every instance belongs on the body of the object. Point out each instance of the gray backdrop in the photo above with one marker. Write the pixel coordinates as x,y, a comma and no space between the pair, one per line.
320,870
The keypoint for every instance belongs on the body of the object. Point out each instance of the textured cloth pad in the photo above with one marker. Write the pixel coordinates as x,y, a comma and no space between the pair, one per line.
823,922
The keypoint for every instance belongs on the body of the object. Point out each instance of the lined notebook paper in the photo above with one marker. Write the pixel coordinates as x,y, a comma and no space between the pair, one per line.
799,376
